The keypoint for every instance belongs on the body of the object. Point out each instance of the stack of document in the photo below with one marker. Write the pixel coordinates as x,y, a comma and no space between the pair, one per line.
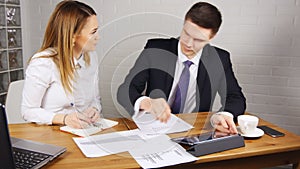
149,152
101,125
148,145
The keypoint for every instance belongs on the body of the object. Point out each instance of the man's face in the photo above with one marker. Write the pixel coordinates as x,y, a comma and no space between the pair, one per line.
193,38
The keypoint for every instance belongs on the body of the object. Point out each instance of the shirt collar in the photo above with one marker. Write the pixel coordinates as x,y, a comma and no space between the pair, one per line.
79,63
182,57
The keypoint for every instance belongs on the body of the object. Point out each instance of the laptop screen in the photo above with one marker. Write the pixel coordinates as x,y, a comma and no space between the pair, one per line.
6,154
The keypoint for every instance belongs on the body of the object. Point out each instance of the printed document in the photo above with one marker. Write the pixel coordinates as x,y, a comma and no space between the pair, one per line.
160,151
111,143
148,124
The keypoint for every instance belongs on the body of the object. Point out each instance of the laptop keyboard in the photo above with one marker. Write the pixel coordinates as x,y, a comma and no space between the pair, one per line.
27,159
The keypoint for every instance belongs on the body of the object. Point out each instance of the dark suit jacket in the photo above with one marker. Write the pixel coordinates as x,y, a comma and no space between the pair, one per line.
154,71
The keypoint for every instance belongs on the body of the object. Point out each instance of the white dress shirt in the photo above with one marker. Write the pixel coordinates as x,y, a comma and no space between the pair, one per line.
44,95
190,103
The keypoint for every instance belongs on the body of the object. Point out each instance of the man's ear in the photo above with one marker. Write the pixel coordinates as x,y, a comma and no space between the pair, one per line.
212,36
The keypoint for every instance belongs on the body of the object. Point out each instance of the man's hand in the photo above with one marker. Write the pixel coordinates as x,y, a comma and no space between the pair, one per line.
158,107
224,124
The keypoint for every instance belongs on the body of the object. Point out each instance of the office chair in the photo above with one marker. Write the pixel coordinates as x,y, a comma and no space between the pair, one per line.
13,102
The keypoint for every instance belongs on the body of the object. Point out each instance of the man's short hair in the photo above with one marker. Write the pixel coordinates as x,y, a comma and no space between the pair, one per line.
205,15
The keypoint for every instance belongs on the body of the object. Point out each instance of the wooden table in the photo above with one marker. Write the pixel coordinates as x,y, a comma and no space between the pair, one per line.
257,153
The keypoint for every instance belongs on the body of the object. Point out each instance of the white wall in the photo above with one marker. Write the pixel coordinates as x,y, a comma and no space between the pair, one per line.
262,35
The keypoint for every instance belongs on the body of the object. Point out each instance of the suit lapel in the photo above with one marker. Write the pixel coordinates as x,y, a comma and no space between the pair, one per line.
202,73
171,67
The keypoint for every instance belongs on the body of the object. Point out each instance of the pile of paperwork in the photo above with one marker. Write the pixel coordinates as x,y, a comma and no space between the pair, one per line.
148,151
148,145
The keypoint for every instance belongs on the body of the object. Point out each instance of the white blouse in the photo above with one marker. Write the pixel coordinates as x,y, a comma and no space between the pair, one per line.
44,95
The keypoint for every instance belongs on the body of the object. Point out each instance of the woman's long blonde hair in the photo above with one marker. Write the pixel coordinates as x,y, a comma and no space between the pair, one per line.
66,21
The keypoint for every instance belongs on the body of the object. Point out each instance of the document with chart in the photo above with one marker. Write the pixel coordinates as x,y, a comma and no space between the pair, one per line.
160,151
107,144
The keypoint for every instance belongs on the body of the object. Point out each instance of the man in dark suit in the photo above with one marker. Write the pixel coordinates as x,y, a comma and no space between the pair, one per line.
184,76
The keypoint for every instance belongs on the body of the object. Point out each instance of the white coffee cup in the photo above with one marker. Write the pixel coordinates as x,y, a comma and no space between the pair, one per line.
247,123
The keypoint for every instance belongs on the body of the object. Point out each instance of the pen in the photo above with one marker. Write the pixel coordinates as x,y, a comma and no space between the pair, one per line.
91,124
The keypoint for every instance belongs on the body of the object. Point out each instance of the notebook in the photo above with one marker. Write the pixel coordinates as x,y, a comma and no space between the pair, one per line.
20,153
101,125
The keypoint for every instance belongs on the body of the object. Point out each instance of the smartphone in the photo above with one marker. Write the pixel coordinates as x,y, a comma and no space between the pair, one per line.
271,132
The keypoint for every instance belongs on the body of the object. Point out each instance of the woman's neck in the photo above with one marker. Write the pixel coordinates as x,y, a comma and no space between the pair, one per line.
77,54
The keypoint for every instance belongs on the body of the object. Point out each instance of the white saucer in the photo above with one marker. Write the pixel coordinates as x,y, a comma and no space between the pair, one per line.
258,133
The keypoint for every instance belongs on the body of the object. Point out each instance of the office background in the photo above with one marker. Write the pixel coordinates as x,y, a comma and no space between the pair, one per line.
262,35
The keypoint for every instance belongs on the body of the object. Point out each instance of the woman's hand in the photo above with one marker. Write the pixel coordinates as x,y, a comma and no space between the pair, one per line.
84,119
92,113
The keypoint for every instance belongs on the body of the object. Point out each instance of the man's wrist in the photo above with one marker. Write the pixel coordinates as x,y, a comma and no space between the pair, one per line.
225,113
145,104
137,107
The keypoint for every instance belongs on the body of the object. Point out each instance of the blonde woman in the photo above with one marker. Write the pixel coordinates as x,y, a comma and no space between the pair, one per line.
61,84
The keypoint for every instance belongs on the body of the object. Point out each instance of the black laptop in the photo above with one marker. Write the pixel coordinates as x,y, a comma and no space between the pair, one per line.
20,153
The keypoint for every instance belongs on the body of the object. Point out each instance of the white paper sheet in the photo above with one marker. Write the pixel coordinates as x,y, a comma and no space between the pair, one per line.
160,151
106,144
101,124
149,125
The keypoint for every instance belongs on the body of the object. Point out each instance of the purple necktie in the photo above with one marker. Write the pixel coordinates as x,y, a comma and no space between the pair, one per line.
181,89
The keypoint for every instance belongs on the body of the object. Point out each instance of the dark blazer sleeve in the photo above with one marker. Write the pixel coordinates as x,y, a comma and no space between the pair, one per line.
150,71
134,84
232,98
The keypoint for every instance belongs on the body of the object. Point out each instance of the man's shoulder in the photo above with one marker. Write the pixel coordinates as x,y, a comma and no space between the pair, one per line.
217,51
220,50
162,43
